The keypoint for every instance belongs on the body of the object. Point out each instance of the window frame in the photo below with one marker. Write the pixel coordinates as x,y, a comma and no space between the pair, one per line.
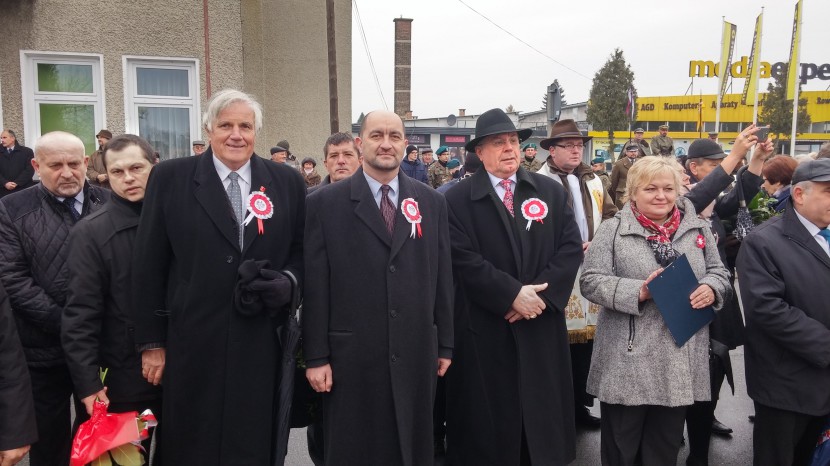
132,100
32,97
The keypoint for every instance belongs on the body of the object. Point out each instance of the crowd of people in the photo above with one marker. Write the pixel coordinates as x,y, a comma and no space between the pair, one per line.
473,311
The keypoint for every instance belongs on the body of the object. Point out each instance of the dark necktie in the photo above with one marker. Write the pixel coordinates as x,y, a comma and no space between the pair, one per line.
235,196
69,202
387,209
508,197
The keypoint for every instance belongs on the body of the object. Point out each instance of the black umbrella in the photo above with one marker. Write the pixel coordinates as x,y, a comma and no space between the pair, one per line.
289,335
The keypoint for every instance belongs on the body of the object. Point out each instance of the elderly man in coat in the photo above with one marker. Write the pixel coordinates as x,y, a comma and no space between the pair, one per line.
514,245
216,281
378,314
784,269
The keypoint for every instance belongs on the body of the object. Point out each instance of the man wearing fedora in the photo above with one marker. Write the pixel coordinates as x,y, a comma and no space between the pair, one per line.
662,144
96,172
591,204
529,161
514,242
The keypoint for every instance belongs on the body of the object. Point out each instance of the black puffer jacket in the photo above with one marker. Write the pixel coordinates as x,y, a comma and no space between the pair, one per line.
34,235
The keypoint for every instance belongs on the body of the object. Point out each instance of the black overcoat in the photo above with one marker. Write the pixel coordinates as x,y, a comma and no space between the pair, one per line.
509,378
379,310
783,280
17,409
221,370
96,326
16,167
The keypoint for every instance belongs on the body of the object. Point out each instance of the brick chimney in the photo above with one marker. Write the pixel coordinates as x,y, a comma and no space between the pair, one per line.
462,112
403,66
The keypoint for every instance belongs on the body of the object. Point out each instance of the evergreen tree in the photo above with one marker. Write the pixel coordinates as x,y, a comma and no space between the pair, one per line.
609,97
777,112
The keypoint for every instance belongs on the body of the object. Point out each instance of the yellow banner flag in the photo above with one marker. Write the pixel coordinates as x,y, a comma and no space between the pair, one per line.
726,49
792,69
751,84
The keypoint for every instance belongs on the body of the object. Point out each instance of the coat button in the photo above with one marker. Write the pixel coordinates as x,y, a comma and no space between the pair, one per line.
393,313
394,358
229,259
392,268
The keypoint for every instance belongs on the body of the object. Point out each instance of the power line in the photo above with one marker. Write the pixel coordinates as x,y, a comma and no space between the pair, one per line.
523,42
368,54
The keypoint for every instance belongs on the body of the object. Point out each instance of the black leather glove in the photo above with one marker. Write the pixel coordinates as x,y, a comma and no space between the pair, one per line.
260,289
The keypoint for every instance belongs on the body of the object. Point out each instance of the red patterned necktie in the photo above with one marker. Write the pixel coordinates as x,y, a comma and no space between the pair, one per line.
387,209
508,197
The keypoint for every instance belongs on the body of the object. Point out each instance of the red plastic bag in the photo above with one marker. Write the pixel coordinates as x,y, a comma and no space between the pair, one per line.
103,432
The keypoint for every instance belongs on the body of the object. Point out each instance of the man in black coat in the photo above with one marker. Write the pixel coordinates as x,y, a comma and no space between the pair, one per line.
516,249
17,411
378,315
16,169
784,269
212,284
34,244
97,328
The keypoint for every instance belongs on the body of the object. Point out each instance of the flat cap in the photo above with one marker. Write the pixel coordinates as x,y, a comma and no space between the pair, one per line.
812,170
276,149
705,149
199,143
104,133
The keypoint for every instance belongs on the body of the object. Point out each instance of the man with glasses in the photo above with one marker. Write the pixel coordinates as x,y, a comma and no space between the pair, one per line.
591,204
514,242
662,144
619,173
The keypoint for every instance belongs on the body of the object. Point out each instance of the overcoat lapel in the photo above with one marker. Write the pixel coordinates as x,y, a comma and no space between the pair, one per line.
402,226
480,189
259,179
799,235
366,209
210,193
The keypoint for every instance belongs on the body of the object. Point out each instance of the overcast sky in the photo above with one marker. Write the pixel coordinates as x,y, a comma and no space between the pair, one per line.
460,60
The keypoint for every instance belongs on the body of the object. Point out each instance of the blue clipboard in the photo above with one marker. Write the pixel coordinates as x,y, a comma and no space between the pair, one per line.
670,291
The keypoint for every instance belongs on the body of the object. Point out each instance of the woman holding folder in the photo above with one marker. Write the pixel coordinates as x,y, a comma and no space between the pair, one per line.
642,379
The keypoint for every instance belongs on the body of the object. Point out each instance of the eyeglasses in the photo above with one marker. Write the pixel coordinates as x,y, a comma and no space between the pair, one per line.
570,146
499,143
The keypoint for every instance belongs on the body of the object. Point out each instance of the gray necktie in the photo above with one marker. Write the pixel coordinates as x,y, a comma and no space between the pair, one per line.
235,196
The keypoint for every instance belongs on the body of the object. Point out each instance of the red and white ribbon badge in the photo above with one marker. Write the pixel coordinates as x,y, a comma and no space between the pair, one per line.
534,209
260,207
701,241
413,215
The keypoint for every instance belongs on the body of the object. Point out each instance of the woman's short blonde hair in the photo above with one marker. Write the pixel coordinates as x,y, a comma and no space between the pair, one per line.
647,169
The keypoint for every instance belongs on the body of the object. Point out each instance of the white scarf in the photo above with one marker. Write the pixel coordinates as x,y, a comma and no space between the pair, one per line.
579,209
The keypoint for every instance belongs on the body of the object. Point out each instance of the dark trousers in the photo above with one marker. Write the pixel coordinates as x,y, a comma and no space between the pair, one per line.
699,419
580,366
654,431
52,390
314,436
139,407
781,438
439,411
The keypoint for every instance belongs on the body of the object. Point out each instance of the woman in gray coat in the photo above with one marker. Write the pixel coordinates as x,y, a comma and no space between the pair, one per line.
642,379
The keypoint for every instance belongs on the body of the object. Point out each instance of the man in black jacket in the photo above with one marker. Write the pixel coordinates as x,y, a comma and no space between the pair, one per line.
34,240
96,329
15,164
17,410
784,267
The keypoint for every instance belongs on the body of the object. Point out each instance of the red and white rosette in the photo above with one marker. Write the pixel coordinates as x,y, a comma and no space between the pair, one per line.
413,215
534,209
260,207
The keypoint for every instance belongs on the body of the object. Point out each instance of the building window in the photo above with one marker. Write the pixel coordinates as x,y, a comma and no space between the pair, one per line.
161,97
62,92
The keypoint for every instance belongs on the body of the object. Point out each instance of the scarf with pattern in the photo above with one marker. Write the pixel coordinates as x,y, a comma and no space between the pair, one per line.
661,240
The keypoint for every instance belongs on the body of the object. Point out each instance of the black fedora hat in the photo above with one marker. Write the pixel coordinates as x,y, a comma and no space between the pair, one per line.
492,122
563,129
